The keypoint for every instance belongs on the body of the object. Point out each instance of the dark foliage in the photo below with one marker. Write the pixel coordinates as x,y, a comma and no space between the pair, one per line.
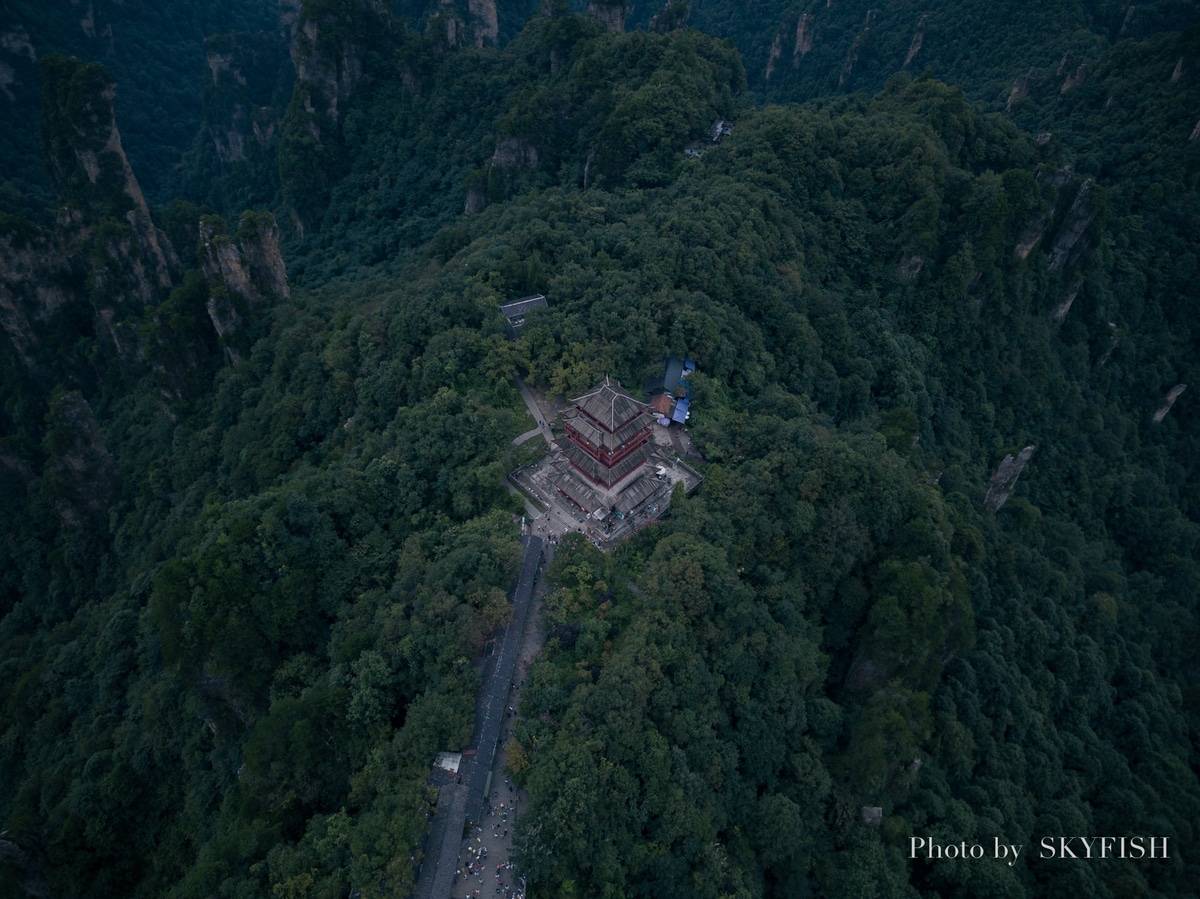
242,592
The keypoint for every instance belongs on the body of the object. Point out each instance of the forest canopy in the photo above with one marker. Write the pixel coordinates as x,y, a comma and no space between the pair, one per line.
256,528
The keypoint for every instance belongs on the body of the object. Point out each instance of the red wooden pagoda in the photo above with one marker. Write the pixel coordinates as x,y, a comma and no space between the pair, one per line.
609,435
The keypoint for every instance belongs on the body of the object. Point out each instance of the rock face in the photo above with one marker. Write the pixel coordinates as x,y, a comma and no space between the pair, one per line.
674,15
81,474
1072,225
476,200
223,263
1033,233
1081,214
610,15
1127,21
1020,90
332,40
239,119
89,168
1064,305
918,39
1004,479
804,38
105,255
36,281
515,154
445,31
1114,340
29,871
484,21
14,43
253,269
852,56
242,275
911,267
259,237
1075,79
1169,401
327,48
773,56
334,74
801,40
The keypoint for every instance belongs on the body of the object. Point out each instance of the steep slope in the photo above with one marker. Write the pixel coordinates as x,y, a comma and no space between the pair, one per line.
798,51
154,52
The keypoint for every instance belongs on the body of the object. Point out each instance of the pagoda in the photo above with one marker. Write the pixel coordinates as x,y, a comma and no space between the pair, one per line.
606,471
608,435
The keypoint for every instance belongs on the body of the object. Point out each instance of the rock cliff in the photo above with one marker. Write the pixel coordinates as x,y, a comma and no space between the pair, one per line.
1004,479
773,56
80,474
1114,341
860,42
239,118
102,291
28,867
1078,218
1075,79
241,275
1070,224
1168,402
918,40
36,282
331,42
88,166
16,45
609,14
674,15
1032,233
484,21
804,38
515,154
105,261
259,238
332,66
1064,305
1020,90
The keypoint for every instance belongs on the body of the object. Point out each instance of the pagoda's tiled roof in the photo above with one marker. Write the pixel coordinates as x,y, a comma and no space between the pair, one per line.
600,438
638,492
569,483
609,406
601,473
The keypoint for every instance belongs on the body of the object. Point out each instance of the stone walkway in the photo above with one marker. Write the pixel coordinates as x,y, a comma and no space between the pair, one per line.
487,847
471,798
528,435
531,403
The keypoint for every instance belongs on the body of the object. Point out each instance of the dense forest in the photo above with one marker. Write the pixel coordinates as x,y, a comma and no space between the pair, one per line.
256,411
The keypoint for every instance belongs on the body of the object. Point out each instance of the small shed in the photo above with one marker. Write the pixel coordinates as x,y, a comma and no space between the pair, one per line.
661,404
514,313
